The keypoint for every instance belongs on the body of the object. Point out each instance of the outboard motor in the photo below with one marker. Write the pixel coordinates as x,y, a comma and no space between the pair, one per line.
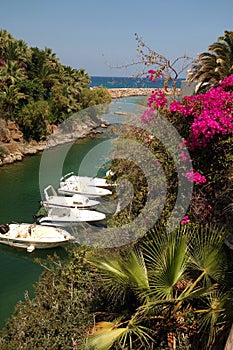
4,228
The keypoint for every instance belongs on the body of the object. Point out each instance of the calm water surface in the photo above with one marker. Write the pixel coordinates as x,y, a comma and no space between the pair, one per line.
20,197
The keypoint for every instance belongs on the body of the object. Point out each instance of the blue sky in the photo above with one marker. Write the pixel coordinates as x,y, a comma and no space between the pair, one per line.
99,35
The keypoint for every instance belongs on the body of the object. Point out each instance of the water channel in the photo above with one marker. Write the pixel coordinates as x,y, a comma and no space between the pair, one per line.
20,197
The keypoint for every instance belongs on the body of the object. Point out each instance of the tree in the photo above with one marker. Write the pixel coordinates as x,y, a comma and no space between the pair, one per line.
211,67
11,73
58,314
33,120
10,98
177,289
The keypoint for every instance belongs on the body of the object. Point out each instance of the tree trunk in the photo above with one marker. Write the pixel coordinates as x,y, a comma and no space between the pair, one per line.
229,343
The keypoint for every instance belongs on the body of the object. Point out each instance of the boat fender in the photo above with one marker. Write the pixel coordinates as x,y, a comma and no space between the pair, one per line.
31,248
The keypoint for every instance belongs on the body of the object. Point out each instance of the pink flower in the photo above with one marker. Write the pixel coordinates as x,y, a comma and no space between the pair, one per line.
184,156
149,137
185,220
195,177
152,71
148,115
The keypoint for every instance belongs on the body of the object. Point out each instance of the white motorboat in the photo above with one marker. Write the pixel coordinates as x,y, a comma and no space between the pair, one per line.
70,188
76,201
32,236
84,180
65,216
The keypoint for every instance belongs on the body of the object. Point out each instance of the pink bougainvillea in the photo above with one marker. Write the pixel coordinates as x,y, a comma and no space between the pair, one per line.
209,115
212,113
195,176
185,220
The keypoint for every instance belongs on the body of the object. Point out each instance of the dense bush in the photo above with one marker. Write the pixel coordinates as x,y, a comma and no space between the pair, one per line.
59,314
31,77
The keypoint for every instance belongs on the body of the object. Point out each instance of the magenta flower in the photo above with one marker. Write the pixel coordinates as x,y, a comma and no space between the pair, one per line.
185,220
152,71
195,177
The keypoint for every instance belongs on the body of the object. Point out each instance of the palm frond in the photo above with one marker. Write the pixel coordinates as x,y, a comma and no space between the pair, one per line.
122,272
206,251
113,332
167,259
105,339
214,315
219,59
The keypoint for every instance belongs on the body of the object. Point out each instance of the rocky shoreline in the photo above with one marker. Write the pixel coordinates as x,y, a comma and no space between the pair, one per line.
14,148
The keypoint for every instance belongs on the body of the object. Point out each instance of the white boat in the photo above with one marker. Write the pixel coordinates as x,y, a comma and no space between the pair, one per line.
65,216
84,180
76,201
32,236
80,187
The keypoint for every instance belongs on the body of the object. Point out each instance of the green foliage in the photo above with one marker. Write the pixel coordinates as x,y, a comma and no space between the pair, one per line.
28,75
211,67
32,89
135,173
33,120
182,292
59,314
92,97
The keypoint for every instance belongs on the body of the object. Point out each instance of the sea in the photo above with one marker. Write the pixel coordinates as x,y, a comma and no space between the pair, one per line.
129,82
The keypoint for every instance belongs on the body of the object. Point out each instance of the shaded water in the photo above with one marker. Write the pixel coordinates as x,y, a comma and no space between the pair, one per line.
20,197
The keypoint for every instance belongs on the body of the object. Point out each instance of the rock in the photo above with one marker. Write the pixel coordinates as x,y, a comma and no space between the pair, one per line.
17,135
127,92
8,159
18,156
11,125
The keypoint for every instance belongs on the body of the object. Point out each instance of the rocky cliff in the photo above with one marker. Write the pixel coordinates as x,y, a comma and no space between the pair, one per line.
13,147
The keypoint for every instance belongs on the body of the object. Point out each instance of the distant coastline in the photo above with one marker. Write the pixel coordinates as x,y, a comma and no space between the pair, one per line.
129,82
129,86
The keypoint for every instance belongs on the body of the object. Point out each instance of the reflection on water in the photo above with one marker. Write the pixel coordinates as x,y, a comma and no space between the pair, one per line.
20,197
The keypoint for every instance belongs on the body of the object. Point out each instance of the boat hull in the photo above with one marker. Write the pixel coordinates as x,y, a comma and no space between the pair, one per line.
31,236
90,191
66,216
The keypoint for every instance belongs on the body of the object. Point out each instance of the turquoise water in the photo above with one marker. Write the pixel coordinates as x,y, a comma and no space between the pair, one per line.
20,197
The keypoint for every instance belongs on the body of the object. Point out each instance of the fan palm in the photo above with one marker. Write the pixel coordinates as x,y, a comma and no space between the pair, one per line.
174,279
9,99
11,73
211,67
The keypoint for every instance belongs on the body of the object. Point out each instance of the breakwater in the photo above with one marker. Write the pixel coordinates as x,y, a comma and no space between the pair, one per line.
127,92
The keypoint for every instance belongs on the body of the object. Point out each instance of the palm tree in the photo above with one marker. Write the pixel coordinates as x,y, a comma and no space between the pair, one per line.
9,99
175,280
11,73
211,67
